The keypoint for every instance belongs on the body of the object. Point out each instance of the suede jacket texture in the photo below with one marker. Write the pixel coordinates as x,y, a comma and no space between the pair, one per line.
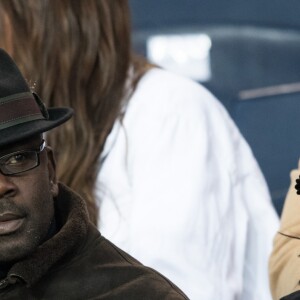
79,263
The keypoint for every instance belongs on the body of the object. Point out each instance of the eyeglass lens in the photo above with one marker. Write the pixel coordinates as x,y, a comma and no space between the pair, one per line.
19,162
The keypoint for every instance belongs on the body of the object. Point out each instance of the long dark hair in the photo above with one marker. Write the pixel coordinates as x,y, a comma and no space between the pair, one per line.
77,54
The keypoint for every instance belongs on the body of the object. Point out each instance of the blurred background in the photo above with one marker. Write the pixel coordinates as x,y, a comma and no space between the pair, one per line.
247,53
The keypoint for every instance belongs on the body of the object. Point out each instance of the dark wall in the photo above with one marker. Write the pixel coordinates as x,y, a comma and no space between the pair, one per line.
255,44
157,14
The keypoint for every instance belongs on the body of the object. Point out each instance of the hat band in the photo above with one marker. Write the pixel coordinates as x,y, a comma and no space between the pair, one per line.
18,109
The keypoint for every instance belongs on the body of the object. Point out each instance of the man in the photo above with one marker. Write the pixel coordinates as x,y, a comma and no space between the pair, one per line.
48,247
285,258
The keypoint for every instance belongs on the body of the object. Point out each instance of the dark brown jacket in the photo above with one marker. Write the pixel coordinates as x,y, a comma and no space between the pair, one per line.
79,263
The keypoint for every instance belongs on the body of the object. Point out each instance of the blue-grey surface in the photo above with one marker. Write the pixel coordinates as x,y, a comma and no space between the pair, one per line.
255,44
161,13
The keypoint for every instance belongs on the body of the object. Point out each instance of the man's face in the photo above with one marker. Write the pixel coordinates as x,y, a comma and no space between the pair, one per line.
26,204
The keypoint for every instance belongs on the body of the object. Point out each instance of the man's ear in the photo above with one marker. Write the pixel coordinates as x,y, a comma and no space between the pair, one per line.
52,171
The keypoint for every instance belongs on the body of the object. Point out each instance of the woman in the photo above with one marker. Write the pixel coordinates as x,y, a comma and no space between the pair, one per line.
156,153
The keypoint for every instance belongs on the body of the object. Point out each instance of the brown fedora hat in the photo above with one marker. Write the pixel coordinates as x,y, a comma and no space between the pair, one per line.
22,113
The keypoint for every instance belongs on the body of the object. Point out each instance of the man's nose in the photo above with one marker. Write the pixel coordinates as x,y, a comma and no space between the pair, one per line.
7,188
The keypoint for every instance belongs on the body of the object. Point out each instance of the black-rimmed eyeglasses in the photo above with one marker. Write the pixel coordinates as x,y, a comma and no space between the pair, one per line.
21,161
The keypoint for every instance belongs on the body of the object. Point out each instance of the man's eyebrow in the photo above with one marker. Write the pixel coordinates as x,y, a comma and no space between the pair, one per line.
20,147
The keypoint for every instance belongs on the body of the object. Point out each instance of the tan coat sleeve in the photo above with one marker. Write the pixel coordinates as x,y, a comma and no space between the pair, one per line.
285,259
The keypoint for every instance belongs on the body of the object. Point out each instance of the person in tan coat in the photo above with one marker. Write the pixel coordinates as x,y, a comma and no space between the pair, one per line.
284,262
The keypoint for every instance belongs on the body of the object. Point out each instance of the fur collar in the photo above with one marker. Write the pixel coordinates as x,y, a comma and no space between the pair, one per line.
72,215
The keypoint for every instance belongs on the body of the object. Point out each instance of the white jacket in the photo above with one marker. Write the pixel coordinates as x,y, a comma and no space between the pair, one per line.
181,191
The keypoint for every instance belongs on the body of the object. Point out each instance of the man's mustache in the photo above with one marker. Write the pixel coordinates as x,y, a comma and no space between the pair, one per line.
8,206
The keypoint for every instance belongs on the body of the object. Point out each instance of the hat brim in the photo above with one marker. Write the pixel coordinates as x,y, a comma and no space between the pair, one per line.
13,134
